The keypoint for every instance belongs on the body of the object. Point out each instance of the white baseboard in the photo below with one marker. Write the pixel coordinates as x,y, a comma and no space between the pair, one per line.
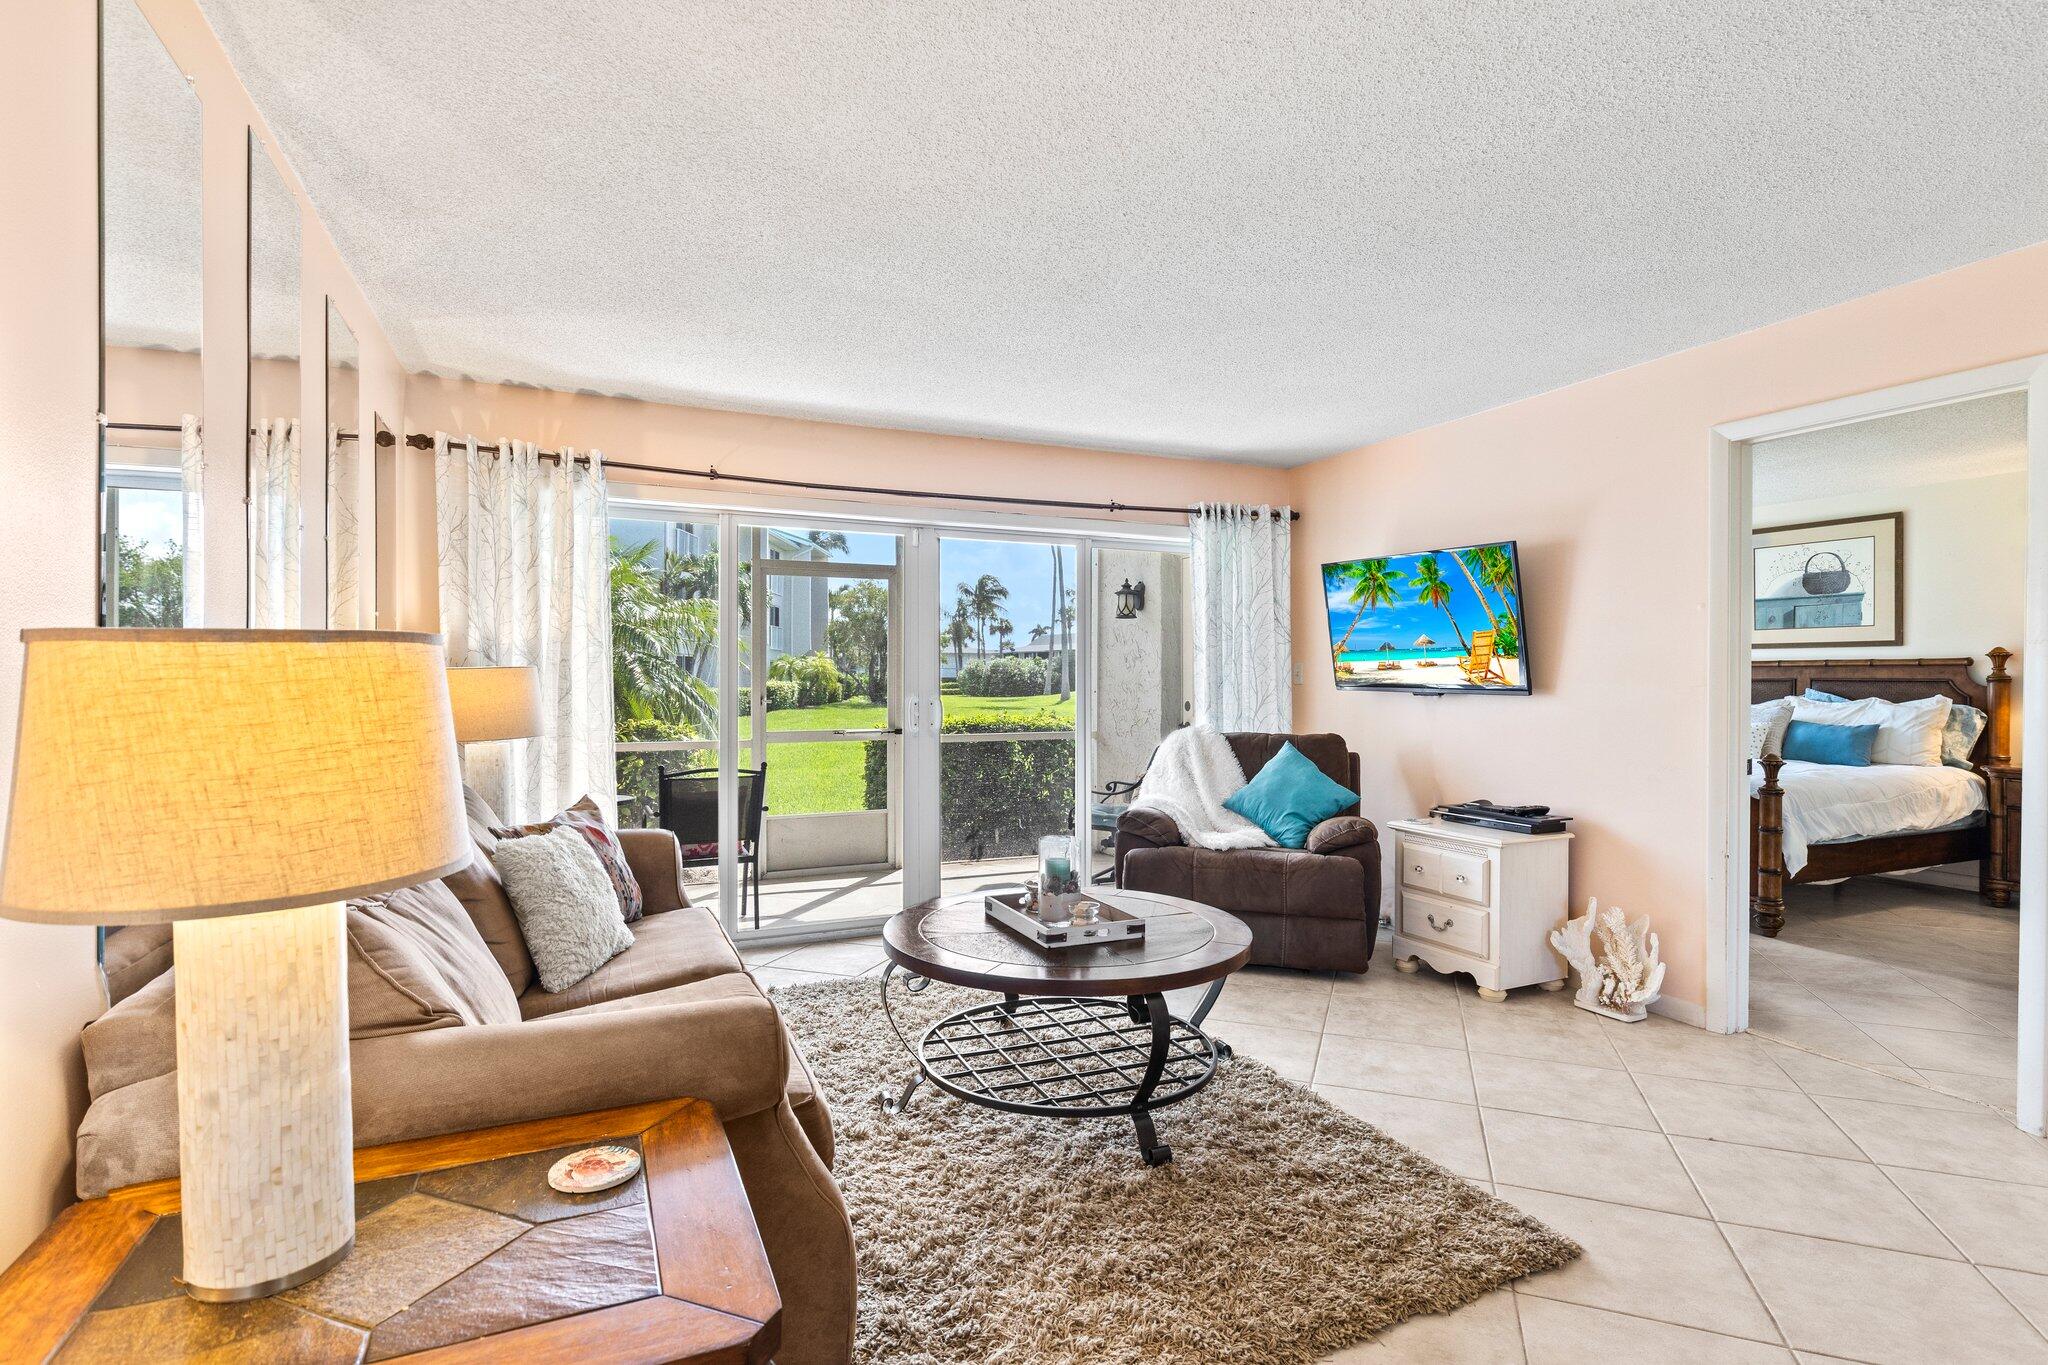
1684,1011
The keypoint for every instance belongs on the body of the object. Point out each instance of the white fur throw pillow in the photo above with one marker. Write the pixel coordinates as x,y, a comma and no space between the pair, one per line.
567,909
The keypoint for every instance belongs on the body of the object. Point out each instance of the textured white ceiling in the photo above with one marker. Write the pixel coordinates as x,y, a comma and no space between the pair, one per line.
150,150
1970,440
1260,229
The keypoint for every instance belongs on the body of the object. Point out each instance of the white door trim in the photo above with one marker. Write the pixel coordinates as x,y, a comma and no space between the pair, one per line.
1728,649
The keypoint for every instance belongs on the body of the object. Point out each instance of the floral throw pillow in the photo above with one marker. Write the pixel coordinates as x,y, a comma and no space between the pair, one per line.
585,818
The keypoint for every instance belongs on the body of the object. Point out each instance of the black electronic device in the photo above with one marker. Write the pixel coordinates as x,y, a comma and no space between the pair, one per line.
1520,819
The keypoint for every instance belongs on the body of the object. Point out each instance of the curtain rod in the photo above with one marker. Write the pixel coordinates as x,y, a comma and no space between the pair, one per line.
176,427
420,441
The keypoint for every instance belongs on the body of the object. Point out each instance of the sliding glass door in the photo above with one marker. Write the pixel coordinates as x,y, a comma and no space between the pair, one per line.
1009,705
841,718
820,627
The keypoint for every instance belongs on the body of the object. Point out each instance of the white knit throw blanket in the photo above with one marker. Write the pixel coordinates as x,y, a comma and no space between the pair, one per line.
1190,777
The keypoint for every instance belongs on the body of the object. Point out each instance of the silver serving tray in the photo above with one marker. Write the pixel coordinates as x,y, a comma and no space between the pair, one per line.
1112,925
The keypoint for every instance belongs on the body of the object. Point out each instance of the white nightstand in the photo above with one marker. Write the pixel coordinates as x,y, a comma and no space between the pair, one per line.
1480,901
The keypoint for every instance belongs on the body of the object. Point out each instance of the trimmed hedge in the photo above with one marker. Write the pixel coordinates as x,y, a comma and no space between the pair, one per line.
997,797
639,773
1006,675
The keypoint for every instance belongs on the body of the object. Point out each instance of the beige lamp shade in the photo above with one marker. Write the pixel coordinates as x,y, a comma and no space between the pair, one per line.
494,703
182,774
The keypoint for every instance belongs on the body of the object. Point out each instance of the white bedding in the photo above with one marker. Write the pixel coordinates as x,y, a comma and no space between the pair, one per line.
1827,803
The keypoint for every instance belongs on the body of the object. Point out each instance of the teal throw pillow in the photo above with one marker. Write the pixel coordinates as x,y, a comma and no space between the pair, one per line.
1844,746
1290,797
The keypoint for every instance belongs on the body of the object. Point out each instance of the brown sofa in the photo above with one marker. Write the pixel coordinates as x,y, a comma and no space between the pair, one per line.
676,1014
1316,907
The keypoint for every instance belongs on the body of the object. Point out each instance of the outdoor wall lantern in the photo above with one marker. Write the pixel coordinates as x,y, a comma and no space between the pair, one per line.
1129,601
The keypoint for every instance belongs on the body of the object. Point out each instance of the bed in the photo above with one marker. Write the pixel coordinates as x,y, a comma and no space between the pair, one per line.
1815,823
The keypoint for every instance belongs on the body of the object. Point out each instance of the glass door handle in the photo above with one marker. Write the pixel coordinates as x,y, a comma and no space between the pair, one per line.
892,730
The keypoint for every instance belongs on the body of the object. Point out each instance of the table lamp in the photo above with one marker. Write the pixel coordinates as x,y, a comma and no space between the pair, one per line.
241,784
494,703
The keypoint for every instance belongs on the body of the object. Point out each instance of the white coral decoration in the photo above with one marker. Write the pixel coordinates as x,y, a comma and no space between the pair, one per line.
1619,974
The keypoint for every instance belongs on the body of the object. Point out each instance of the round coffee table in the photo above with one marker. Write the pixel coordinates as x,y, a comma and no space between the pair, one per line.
1079,1032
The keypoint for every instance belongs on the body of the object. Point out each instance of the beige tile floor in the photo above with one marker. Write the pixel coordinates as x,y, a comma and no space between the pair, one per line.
1917,984
1738,1199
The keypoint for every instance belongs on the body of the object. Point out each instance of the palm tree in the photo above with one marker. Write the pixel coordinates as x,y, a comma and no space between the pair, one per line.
956,628
653,635
1432,587
1472,562
1372,585
984,600
1004,631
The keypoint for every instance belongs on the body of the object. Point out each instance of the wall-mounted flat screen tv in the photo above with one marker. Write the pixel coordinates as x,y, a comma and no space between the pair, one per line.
1436,621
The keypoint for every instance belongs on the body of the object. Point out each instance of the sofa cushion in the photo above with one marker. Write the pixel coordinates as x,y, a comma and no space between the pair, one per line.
585,818
134,956
567,909
1340,831
483,895
482,817
671,949
1273,881
657,863
136,1039
1328,752
416,961
1289,797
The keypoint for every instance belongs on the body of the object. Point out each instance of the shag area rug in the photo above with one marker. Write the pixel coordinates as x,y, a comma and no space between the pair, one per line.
1284,1229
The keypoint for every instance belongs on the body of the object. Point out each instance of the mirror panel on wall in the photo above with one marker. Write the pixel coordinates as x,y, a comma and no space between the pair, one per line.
275,531
351,517
150,296
151,305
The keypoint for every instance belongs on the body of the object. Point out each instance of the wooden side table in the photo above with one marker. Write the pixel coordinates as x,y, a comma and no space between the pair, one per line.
1480,901
1998,876
463,1253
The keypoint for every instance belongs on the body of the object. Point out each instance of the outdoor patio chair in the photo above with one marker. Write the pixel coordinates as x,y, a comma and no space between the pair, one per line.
689,810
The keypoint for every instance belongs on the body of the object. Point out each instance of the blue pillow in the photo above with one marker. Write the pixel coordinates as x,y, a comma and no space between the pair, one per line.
1959,736
1844,746
1815,694
1289,797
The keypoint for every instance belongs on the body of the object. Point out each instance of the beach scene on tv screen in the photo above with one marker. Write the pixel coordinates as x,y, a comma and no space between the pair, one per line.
1449,619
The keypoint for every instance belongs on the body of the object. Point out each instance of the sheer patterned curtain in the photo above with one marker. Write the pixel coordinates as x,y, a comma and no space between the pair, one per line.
192,479
274,524
1243,645
525,579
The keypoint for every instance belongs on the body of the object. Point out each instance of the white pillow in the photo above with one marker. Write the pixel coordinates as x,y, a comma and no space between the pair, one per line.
1910,732
568,912
1773,715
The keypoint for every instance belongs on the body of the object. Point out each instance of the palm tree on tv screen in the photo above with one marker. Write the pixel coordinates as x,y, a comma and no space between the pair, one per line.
1433,588
1372,586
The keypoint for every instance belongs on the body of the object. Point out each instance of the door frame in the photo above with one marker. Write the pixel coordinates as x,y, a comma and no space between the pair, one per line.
1729,594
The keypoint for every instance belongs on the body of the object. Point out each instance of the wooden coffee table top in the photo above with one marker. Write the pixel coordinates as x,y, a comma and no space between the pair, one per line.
1186,943
463,1253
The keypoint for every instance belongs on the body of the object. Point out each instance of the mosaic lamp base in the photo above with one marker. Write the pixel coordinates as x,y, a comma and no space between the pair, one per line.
265,1139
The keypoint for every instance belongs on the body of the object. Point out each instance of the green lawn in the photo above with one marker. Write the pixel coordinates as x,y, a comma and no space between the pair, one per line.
822,776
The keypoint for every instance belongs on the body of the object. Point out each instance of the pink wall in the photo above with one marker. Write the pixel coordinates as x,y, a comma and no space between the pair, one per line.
782,448
1605,485
49,338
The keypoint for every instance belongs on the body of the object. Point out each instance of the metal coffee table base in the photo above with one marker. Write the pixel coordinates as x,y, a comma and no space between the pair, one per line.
1061,1056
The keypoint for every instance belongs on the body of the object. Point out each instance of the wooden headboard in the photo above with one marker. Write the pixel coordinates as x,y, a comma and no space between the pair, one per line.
1901,680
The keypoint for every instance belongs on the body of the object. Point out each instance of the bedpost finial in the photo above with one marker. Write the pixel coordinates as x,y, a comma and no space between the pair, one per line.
1998,654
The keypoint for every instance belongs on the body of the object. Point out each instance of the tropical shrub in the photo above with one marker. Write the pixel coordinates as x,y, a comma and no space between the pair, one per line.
1006,675
996,798
818,680
782,693
639,773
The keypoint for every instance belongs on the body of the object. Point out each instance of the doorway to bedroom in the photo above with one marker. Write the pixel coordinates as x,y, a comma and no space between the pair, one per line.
1884,587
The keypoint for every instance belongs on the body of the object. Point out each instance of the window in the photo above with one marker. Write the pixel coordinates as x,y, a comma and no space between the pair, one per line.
143,572
774,613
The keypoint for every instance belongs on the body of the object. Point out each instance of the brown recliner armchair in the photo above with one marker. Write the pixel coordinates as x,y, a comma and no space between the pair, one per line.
1316,907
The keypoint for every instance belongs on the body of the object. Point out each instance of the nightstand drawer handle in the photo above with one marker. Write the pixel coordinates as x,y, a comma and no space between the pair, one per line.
1443,928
